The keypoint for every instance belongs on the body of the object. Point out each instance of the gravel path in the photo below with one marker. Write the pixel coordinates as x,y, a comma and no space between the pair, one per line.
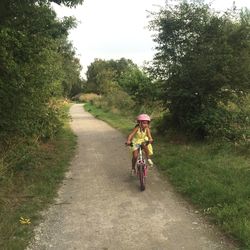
100,206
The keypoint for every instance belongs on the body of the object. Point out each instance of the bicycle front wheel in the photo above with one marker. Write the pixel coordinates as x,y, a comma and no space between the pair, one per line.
141,177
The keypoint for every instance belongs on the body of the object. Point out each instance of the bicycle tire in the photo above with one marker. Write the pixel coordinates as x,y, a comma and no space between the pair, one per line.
142,177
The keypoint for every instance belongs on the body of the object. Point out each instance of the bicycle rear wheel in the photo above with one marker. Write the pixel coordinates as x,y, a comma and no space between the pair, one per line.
141,177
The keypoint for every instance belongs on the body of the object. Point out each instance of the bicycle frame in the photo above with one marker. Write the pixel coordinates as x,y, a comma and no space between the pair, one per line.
141,168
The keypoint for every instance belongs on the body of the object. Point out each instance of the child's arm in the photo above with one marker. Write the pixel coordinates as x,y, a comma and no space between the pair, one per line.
150,138
131,135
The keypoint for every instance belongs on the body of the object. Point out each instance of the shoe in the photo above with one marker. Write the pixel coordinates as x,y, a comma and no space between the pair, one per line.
150,163
133,173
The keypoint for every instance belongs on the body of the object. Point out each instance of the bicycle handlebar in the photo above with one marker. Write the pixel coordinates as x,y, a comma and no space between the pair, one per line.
141,144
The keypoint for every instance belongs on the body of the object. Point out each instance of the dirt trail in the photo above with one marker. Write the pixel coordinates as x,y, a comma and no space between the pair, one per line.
99,205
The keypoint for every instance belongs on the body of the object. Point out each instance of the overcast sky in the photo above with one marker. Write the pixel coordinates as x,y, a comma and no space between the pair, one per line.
111,29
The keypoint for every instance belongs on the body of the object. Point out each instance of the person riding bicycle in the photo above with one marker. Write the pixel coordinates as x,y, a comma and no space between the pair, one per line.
141,133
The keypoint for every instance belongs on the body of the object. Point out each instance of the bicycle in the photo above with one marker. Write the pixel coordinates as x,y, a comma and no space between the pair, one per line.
141,167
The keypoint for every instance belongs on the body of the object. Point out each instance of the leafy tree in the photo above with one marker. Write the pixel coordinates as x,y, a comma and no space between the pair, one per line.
122,84
71,67
103,76
32,67
203,63
104,71
99,72
138,85
78,87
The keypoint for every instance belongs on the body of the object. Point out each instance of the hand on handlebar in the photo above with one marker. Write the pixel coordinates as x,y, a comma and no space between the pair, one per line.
129,143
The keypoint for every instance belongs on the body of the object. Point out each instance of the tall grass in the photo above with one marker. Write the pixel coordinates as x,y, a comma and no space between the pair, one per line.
30,173
214,176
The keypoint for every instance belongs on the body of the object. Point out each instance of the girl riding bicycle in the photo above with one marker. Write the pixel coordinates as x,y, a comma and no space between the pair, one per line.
140,134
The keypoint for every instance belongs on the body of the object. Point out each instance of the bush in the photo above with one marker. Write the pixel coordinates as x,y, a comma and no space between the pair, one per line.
115,99
89,97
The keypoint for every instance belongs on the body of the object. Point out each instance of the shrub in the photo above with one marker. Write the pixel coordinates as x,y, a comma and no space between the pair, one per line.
115,97
89,97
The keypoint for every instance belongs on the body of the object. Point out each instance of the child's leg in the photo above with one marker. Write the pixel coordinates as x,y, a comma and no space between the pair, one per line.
146,150
134,159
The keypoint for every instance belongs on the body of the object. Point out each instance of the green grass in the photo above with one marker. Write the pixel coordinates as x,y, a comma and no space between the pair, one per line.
214,176
30,183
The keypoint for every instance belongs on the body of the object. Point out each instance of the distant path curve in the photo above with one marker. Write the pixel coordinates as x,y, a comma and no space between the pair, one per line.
99,205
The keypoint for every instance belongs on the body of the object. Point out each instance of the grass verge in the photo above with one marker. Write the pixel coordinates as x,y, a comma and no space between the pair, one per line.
214,176
29,184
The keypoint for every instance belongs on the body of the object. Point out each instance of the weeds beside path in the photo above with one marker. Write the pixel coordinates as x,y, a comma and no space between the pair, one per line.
30,183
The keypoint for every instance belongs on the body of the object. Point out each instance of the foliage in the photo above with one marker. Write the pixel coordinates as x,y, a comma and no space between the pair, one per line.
203,64
30,173
71,69
89,97
138,85
37,63
69,3
101,71
122,84
78,87
119,99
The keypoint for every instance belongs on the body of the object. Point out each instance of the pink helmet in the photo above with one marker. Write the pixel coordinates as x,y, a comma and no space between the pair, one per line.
143,117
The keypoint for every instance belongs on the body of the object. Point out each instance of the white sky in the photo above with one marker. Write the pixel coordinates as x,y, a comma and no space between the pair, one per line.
111,29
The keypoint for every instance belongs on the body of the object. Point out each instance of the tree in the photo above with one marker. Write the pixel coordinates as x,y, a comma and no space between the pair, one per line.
78,87
203,63
31,67
138,85
99,72
71,67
